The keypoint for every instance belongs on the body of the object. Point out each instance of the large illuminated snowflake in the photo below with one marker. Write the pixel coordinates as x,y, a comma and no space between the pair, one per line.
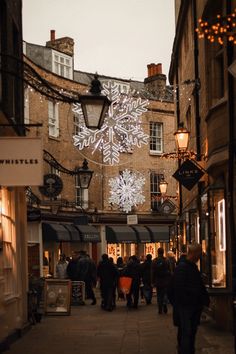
121,129
126,190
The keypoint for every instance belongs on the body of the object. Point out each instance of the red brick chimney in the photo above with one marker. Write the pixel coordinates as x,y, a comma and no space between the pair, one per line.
155,81
154,69
53,35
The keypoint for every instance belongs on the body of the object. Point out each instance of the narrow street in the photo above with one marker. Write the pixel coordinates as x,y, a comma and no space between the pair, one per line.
89,330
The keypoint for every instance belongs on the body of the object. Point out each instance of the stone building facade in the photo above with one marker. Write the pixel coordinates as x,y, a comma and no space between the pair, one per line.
205,105
95,210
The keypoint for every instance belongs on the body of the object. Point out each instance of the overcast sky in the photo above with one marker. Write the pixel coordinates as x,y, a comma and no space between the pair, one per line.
112,37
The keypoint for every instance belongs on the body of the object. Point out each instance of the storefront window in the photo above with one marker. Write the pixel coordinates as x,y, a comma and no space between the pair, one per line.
213,237
218,238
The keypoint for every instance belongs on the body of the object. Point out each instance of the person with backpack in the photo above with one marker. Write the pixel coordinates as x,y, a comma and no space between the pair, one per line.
160,279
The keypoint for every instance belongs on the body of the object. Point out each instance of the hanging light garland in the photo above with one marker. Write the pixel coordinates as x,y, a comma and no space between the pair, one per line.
222,27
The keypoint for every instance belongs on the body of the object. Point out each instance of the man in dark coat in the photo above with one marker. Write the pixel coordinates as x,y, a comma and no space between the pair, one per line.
86,269
188,296
146,269
107,274
160,279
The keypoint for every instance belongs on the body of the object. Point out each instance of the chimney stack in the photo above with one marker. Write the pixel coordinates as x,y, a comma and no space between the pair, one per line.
155,81
53,35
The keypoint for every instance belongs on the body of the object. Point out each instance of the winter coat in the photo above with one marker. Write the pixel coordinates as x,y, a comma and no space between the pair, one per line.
107,272
160,272
146,269
188,288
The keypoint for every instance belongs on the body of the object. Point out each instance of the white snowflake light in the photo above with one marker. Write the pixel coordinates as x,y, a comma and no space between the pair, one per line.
126,190
121,129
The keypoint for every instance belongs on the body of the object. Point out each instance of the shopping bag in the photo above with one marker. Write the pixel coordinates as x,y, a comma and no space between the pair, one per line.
125,284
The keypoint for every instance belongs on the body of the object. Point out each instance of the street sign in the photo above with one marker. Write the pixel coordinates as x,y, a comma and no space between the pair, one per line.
188,174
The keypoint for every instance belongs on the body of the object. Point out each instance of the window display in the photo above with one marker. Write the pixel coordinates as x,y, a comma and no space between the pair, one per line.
213,233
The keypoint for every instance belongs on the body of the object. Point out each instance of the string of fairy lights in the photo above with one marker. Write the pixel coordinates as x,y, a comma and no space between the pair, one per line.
219,28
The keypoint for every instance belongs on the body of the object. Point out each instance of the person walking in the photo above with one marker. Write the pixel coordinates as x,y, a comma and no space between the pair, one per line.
188,296
72,271
132,270
86,269
146,270
61,267
107,274
160,278
172,261
120,266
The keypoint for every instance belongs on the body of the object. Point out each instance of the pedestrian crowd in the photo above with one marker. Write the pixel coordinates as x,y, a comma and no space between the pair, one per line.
177,283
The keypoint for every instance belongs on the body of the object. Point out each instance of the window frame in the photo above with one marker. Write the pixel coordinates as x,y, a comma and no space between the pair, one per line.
53,119
152,143
58,67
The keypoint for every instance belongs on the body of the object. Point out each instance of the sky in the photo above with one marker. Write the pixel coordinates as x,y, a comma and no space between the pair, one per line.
116,38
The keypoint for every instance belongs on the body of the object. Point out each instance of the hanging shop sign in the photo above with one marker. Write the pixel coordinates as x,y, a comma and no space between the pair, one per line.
188,174
52,185
21,161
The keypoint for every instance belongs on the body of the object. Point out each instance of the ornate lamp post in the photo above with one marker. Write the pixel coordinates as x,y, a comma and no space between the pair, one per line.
94,105
182,138
84,175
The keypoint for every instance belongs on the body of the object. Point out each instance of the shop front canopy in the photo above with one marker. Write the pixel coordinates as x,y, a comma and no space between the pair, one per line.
55,232
120,234
143,234
159,233
88,233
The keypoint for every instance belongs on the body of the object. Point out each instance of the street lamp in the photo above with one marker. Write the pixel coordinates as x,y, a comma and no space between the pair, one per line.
84,175
94,105
163,186
182,138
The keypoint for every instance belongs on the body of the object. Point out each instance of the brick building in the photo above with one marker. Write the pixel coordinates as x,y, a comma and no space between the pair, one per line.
205,105
100,226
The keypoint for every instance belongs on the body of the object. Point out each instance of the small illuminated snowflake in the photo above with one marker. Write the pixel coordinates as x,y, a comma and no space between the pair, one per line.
121,129
126,190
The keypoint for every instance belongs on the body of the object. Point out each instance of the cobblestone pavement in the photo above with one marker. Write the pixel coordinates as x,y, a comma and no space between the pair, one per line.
90,330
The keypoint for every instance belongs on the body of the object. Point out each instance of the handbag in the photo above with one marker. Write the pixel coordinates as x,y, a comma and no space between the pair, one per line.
125,284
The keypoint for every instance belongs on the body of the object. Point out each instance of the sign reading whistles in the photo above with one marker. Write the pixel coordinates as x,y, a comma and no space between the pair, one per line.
21,161
188,174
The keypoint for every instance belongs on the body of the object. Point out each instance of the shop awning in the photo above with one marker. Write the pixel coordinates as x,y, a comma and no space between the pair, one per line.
55,232
143,234
88,233
74,232
159,233
120,234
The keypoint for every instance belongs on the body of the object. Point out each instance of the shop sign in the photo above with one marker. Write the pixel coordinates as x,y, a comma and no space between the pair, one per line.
21,161
188,174
132,219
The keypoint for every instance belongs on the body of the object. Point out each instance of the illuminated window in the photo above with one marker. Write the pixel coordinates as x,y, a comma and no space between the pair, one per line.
9,252
213,232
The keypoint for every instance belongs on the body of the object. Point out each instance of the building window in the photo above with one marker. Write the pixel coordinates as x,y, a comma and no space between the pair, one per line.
53,119
156,138
9,251
26,106
217,78
81,196
155,190
62,65
78,123
213,232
